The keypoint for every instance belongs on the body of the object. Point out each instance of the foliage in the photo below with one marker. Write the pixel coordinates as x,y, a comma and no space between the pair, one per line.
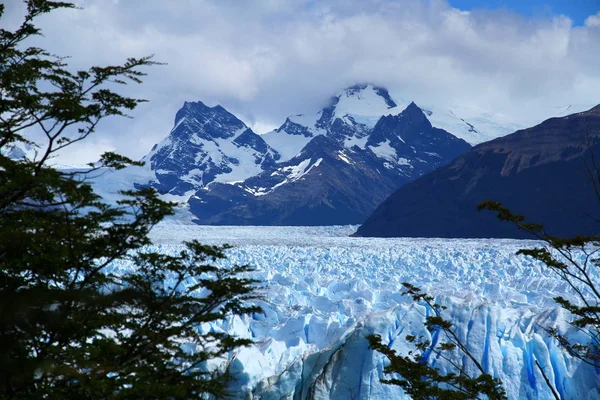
422,381
576,262
70,325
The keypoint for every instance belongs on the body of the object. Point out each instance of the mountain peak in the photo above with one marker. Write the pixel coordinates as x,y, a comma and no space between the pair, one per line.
359,104
190,105
200,106
413,107
207,144
367,91
414,113
196,118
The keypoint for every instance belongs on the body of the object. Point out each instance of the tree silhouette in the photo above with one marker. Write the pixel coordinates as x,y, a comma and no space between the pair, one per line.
70,325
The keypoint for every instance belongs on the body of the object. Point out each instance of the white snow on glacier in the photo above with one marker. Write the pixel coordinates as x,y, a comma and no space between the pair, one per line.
325,291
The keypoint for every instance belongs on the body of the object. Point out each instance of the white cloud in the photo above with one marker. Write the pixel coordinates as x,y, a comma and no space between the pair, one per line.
593,21
266,59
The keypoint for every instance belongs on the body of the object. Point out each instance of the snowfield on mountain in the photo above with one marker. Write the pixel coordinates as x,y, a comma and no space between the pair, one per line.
368,144
324,292
344,162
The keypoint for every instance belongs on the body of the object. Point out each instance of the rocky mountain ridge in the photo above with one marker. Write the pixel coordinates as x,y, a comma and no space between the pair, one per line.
342,172
207,144
542,173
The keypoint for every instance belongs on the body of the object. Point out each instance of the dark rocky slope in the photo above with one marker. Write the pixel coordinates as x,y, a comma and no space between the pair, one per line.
538,172
330,182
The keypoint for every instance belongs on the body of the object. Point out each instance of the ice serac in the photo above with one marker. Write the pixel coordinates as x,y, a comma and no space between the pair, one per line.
207,144
507,343
324,292
541,173
339,176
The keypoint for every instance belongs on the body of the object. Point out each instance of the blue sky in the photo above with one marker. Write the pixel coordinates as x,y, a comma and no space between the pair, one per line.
577,10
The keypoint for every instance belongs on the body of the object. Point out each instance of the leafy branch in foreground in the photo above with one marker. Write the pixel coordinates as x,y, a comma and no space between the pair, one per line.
87,311
576,262
418,378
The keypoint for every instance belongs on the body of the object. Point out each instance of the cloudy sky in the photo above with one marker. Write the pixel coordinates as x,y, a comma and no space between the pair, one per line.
266,59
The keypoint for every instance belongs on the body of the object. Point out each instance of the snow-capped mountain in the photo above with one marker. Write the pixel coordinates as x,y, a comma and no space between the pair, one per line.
543,173
342,173
325,184
207,144
374,145
476,125
354,111
408,142
19,150
349,118
211,145
470,123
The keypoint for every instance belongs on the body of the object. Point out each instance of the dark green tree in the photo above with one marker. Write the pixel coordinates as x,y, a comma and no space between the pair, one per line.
71,326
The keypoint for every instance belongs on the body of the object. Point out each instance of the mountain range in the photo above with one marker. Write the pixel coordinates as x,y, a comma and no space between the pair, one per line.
333,168
209,144
341,164
548,173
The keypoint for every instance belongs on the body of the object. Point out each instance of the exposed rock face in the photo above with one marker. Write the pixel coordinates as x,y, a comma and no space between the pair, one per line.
349,118
339,176
323,185
207,144
539,172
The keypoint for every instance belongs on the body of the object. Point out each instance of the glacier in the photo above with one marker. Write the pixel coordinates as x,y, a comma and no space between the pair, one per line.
324,291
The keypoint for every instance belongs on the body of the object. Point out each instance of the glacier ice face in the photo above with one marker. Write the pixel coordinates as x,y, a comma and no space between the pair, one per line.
325,291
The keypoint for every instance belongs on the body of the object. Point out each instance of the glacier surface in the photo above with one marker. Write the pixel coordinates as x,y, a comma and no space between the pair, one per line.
324,292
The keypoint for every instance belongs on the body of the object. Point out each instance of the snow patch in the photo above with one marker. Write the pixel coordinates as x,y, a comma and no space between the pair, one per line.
403,161
292,173
344,158
287,145
364,106
385,151
246,157
354,141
